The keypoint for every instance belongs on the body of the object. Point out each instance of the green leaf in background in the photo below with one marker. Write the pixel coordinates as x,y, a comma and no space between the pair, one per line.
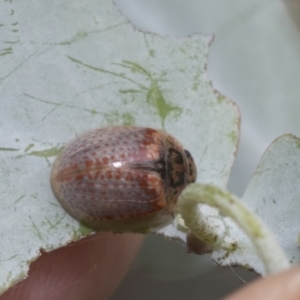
73,66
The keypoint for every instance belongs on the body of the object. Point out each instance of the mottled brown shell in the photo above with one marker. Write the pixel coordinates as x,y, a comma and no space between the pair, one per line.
122,178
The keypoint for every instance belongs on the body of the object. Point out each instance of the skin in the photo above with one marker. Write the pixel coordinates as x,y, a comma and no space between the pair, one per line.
93,268
284,285
89,269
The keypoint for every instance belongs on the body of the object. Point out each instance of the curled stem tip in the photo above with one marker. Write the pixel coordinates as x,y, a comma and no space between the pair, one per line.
269,251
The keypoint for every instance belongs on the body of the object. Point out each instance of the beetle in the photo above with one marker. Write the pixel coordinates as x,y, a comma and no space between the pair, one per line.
122,179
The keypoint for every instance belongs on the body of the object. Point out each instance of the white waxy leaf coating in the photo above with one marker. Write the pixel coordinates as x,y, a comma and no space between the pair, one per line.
72,70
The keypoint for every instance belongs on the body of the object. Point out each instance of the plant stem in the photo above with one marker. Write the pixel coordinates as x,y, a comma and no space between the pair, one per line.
269,251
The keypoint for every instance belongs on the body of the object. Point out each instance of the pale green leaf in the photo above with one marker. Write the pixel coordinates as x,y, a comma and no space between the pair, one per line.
73,66
274,195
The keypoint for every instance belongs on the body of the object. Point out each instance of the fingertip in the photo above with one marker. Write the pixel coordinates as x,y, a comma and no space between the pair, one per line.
89,269
285,285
